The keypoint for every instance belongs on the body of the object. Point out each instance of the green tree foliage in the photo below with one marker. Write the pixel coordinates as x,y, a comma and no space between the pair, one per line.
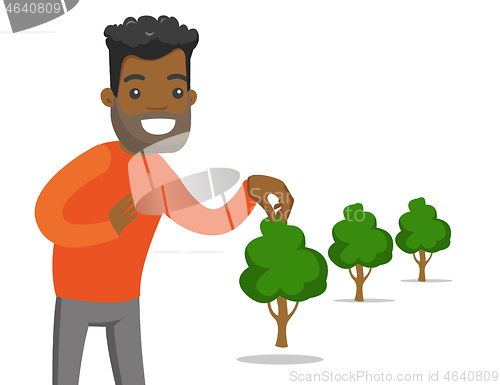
359,243
421,231
281,267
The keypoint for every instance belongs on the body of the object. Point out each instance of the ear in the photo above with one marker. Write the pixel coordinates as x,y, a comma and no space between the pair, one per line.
107,97
193,96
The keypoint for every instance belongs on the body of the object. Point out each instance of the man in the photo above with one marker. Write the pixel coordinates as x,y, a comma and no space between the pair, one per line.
87,210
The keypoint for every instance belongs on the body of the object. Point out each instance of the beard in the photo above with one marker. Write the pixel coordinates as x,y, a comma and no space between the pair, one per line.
134,137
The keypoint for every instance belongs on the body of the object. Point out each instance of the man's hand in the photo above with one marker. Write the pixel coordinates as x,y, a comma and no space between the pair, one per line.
259,188
122,213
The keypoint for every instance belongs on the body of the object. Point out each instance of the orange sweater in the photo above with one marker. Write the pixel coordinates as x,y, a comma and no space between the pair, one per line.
91,262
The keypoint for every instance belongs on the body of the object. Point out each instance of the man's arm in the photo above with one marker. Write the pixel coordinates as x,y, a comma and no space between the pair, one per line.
50,203
160,190
200,219
196,217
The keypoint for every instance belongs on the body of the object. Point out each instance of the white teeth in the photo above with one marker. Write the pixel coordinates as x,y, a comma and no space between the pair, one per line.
158,126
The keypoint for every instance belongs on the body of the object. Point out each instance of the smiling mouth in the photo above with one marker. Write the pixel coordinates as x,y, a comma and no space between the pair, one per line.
158,126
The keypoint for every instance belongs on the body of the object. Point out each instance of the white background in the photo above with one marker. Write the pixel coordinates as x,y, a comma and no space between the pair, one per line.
377,102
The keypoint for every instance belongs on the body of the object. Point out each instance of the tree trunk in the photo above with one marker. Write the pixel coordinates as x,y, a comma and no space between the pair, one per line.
281,341
421,265
421,275
282,321
359,283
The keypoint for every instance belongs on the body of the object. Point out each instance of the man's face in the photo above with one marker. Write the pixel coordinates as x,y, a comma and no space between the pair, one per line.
153,108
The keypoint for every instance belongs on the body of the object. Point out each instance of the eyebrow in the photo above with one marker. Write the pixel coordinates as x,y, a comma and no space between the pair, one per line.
134,76
176,76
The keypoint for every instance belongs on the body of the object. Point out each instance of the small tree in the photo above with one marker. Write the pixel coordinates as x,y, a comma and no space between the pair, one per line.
421,231
281,268
358,242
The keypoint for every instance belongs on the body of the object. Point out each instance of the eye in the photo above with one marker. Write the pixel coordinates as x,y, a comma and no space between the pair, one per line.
177,93
135,93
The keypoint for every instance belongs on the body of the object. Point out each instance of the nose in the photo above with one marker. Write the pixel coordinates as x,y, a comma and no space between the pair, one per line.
156,108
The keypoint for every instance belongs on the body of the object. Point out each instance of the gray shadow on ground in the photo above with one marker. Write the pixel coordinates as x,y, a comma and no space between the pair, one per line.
369,300
429,280
187,252
280,359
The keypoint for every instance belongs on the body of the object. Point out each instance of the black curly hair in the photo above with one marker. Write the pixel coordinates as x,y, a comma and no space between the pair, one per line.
147,38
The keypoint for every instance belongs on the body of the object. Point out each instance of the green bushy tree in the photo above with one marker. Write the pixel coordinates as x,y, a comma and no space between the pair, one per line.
359,243
281,268
421,231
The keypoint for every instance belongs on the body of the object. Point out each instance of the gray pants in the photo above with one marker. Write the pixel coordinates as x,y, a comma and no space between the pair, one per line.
123,332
